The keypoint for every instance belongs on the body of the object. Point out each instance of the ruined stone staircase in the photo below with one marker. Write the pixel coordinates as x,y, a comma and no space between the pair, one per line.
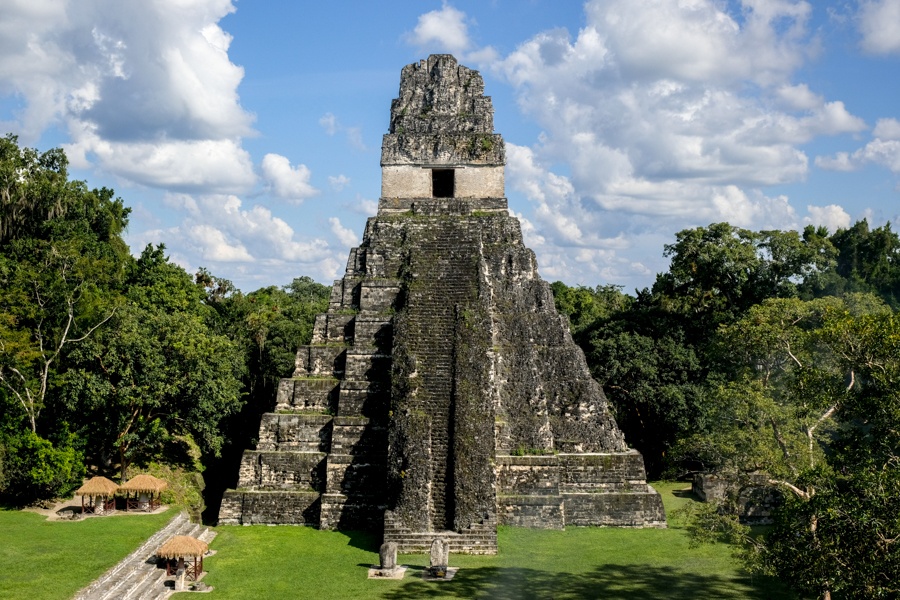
320,458
136,577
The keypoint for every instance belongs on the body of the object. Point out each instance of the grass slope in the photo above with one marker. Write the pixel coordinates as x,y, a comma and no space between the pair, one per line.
578,563
51,560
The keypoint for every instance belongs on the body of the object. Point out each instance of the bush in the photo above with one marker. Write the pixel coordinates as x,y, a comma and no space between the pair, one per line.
34,469
185,488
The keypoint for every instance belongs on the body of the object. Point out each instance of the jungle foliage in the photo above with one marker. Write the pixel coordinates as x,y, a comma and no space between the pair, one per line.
756,352
108,361
768,353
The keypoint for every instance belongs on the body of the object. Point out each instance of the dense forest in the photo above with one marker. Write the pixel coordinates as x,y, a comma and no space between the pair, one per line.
769,352
108,361
772,353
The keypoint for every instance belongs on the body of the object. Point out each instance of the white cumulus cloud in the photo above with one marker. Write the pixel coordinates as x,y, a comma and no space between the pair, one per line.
333,126
880,152
338,182
887,129
832,216
879,26
131,82
346,236
218,232
286,182
666,114
447,30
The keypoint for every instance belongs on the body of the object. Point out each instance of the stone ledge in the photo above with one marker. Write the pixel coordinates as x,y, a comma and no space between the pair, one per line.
442,206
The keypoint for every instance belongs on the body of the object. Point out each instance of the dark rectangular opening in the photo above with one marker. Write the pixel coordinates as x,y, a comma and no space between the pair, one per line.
442,183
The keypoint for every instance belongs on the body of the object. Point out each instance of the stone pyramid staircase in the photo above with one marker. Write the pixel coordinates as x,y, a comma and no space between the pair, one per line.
320,456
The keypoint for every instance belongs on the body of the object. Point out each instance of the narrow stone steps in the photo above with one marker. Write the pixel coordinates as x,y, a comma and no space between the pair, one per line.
136,576
114,577
154,588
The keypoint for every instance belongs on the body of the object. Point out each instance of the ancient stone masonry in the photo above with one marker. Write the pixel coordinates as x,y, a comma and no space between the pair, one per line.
442,393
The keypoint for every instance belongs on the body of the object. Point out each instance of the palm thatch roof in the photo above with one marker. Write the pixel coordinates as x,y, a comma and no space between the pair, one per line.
180,546
144,483
98,486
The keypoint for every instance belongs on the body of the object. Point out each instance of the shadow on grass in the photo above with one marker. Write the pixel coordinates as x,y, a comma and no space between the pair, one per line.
611,582
364,540
685,494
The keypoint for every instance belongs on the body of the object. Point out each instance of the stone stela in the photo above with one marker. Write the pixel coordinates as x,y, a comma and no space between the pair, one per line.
442,393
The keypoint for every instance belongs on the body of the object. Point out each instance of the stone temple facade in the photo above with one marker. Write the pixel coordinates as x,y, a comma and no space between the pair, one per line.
442,393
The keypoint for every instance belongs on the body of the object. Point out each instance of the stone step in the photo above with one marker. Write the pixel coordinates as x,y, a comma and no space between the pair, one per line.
111,584
139,582
294,432
324,360
271,469
154,588
278,507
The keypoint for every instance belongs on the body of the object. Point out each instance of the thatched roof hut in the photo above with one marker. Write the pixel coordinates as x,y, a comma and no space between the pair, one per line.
98,487
144,483
180,546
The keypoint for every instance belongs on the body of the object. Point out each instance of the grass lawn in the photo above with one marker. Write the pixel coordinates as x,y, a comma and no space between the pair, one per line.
51,560
294,562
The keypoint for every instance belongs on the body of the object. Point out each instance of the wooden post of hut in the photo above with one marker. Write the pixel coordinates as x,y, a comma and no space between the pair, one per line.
100,492
188,551
146,490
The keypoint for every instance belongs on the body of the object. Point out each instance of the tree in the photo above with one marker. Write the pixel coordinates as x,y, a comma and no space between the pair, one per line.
157,371
61,262
814,403
33,467
865,260
584,306
718,272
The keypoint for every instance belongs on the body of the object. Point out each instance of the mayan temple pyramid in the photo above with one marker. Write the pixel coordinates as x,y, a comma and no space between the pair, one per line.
442,393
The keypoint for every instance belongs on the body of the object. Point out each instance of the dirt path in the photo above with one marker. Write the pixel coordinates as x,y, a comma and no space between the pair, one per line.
70,509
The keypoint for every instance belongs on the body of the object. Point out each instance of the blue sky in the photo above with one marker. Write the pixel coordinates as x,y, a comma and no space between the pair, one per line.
246,135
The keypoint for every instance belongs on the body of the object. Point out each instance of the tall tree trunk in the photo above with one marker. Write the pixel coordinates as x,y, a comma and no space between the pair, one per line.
123,464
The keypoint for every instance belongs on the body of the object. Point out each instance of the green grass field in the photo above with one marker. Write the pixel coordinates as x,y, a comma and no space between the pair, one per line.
45,560
51,560
295,562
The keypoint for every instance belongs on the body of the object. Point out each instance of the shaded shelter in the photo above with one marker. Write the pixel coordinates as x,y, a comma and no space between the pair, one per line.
100,493
146,490
180,549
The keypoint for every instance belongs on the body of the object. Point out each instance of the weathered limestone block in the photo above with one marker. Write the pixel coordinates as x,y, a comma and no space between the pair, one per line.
441,149
320,361
440,95
528,475
367,364
387,556
355,475
358,436
440,554
619,509
317,394
538,512
749,495
364,398
334,328
374,331
395,208
343,512
607,472
252,507
267,470
378,295
302,433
